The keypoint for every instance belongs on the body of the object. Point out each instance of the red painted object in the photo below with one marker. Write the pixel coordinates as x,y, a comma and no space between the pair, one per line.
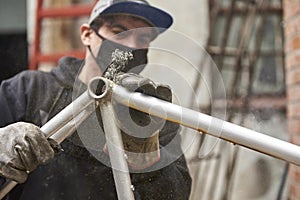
36,56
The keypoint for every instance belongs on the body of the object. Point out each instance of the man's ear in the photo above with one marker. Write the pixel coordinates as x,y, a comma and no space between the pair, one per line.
85,34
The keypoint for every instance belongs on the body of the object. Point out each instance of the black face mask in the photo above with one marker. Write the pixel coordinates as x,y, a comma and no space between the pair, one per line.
104,56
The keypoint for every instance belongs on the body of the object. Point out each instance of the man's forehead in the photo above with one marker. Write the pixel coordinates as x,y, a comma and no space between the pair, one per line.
127,22
128,19
132,22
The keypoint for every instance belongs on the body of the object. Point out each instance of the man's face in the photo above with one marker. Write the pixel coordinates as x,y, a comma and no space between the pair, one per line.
127,31
122,29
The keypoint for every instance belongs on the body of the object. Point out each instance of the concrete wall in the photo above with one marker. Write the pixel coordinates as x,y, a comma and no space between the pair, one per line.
12,16
186,39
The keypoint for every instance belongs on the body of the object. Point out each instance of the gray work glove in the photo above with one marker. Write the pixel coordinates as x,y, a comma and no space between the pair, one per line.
135,122
22,148
139,130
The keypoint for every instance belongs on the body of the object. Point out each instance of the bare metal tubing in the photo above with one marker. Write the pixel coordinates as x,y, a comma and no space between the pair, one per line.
210,125
59,137
115,148
67,114
58,128
7,188
64,123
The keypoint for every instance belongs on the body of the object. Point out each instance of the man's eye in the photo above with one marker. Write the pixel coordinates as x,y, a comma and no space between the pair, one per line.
117,31
144,40
123,34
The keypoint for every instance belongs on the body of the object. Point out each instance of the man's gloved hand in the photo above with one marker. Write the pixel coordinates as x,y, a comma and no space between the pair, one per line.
140,130
137,83
132,121
22,148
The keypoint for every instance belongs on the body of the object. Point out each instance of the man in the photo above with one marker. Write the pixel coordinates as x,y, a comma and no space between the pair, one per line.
82,170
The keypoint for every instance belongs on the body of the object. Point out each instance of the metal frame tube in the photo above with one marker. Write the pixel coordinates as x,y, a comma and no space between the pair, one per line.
64,123
113,136
175,113
210,125
67,114
116,152
59,136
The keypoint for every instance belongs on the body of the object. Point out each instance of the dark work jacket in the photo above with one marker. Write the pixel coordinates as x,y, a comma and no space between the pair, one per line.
77,173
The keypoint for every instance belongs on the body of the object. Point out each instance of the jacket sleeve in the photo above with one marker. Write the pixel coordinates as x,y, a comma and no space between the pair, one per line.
12,107
12,101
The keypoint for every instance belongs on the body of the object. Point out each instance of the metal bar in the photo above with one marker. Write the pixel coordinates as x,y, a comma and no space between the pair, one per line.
62,125
67,114
206,124
35,47
41,13
59,137
233,51
116,151
70,127
238,68
7,187
273,9
54,57
224,37
214,6
242,46
256,103
283,182
113,136
66,11
175,113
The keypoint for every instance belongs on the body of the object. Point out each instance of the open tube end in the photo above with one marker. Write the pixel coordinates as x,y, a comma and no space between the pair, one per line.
98,87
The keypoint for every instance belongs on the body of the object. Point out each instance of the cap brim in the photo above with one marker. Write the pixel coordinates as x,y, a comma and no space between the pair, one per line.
152,15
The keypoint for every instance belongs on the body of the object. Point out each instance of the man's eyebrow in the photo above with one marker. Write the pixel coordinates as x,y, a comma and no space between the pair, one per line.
116,25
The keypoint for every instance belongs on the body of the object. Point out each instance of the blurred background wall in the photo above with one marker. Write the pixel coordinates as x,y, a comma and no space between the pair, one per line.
13,38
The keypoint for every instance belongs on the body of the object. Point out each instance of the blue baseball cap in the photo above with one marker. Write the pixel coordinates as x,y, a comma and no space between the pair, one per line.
138,8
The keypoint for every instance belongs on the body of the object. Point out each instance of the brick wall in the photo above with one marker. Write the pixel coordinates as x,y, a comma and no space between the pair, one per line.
291,24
